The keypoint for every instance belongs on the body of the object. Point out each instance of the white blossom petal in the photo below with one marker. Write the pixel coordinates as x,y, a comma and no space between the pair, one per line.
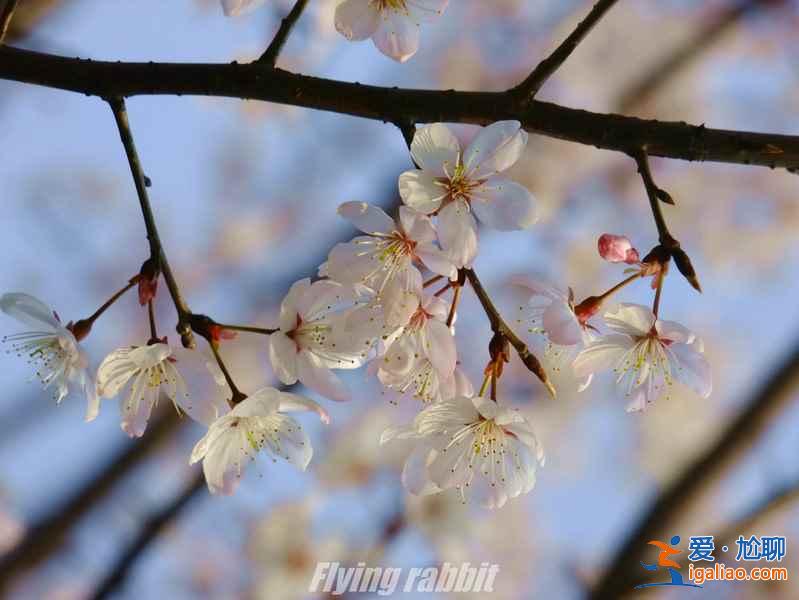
630,319
435,149
505,205
369,219
397,36
29,311
321,379
357,20
495,149
283,356
421,191
457,232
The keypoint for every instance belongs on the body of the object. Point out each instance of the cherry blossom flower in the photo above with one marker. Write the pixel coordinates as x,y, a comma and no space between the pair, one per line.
647,355
233,8
51,347
421,357
258,422
550,311
481,448
388,253
393,25
313,338
617,248
151,371
456,184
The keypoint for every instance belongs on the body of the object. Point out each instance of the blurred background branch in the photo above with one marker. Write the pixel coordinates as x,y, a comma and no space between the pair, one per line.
47,536
701,475
148,533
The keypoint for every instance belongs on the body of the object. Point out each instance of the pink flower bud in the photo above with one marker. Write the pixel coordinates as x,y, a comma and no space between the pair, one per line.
617,248
148,281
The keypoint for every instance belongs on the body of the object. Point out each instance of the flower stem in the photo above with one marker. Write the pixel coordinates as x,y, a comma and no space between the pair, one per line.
151,315
656,303
117,295
454,306
238,396
249,329
619,286
443,290
432,280
484,387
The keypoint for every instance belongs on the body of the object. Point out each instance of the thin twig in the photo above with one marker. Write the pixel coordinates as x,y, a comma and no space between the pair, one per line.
498,326
156,248
528,88
5,17
146,536
252,81
699,476
654,193
286,25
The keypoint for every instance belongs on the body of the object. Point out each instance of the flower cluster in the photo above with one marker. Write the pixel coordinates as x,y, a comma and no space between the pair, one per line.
646,354
375,304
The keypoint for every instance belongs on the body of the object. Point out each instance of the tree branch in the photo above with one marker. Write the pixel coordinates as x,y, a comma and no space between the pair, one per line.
682,494
286,25
253,81
528,88
156,248
146,536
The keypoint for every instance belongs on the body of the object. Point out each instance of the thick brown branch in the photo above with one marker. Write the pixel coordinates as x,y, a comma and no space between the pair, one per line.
701,475
286,25
528,88
395,105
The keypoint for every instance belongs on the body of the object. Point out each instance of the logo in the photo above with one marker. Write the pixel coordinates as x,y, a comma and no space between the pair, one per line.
766,548
664,561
